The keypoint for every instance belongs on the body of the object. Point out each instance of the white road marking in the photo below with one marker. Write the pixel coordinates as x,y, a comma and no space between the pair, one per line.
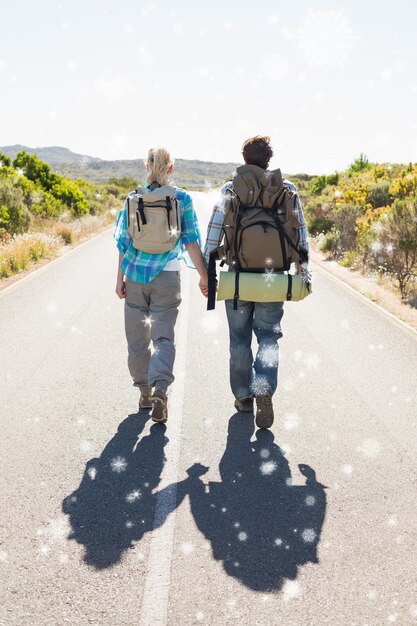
155,597
364,298
48,264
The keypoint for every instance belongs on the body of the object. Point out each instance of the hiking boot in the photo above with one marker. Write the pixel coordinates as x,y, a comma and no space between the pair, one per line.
159,411
244,405
264,412
145,401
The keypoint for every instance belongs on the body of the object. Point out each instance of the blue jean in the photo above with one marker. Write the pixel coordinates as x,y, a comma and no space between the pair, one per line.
257,377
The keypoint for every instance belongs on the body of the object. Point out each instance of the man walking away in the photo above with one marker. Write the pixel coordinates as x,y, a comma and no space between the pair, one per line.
250,221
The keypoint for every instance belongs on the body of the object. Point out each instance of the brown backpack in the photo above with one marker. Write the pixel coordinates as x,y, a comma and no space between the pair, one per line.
261,227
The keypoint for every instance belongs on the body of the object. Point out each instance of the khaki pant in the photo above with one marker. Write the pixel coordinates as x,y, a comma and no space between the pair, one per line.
150,315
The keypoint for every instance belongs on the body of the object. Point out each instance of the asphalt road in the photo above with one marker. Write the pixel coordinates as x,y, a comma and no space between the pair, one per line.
108,519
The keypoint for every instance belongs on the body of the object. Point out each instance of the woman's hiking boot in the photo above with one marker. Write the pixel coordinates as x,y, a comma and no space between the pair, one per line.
244,405
145,399
264,412
159,411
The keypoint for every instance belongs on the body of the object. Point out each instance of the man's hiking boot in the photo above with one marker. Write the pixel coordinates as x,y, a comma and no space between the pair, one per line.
264,412
159,411
244,405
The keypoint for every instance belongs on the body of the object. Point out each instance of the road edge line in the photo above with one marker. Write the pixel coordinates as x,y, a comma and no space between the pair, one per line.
367,300
48,264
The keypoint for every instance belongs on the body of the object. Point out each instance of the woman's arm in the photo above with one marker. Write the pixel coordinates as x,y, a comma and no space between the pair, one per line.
194,251
120,282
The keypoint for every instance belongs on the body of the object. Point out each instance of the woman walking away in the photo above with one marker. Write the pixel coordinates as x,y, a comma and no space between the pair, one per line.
156,224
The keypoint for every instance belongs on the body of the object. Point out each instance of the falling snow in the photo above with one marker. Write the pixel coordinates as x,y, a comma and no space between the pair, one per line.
290,590
260,386
291,421
325,37
268,467
309,535
269,275
118,464
369,448
187,548
269,356
133,495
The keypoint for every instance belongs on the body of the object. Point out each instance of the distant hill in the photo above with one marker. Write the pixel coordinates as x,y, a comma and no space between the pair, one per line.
191,174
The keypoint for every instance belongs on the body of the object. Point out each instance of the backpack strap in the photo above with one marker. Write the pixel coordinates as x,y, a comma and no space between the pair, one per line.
169,209
289,288
211,298
236,295
141,210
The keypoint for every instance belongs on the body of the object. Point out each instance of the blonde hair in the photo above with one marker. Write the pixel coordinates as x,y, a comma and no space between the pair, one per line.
159,161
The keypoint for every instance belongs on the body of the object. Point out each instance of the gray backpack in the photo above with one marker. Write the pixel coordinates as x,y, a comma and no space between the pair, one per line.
154,219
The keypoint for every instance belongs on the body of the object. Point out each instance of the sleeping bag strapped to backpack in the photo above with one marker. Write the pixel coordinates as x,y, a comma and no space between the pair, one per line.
260,232
154,220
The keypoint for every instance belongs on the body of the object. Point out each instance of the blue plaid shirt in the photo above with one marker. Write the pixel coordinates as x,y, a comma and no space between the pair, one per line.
142,267
217,219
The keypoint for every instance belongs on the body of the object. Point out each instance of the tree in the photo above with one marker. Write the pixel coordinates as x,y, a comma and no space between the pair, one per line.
396,249
360,164
14,215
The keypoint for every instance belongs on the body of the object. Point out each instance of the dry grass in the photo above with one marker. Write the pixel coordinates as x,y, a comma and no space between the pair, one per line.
20,252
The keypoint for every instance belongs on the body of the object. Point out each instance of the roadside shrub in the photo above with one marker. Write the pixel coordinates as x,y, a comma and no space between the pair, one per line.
14,215
345,217
318,216
360,164
333,179
379,195
317,185
395,248
65,232
5,161
22,250
330,241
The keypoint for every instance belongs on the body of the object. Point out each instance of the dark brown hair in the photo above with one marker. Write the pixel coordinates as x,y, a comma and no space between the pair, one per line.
257,151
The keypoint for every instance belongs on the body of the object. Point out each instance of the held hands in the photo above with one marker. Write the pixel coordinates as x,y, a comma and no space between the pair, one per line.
120,287
203,284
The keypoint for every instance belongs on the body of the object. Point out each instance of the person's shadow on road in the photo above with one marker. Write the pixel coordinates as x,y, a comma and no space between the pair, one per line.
259,525
114,506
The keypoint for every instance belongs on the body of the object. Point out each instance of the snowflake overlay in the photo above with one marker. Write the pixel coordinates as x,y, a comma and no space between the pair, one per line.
325,37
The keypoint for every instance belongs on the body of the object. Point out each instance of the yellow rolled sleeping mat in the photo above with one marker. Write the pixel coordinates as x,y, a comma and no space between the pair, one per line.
266,287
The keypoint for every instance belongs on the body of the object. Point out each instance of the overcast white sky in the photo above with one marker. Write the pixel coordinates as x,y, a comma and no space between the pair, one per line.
110,79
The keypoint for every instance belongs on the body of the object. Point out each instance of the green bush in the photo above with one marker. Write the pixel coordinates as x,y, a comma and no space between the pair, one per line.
63,189
330,241
396,252
360,164
14,215
317,185
5,161
68,193
378,194
333,179
320,224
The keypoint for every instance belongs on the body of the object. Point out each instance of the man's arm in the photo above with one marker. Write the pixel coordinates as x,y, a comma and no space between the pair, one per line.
215,226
